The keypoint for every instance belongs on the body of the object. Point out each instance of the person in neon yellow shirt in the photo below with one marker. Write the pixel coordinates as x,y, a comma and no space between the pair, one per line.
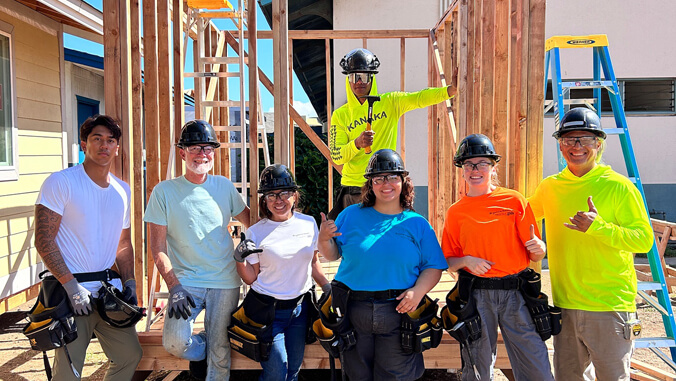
348,137
595,221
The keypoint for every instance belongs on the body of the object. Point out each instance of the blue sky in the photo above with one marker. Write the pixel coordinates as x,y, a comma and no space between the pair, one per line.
301,101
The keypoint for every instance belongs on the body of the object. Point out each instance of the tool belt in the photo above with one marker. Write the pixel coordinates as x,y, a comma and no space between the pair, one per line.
547,319
333,328
460,316
250,329
421,329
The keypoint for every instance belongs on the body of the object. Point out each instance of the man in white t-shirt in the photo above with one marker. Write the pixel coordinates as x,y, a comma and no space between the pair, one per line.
188,224
82,226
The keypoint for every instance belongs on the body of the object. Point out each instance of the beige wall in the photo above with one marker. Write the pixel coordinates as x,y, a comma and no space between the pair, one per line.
36,63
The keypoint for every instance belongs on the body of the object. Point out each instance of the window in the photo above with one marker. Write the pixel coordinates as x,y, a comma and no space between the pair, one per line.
639,96
8,138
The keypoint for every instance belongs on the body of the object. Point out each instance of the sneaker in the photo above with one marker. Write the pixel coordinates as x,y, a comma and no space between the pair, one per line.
198,369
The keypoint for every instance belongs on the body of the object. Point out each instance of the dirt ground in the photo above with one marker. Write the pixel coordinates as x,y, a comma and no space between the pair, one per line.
20,363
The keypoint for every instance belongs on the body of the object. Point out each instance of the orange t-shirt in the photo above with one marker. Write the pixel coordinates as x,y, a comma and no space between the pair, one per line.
493,227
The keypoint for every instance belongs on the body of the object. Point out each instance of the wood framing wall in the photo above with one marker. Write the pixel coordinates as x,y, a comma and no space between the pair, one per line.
497,49
494,50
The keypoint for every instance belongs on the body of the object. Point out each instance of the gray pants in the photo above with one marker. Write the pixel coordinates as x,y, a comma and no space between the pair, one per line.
593,337
120,345
526,350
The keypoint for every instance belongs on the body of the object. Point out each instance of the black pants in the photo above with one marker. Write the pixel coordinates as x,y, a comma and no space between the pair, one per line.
347,196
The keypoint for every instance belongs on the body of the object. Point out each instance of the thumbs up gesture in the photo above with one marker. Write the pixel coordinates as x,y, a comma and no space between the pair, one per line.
245,248
535,246
583,220
328,229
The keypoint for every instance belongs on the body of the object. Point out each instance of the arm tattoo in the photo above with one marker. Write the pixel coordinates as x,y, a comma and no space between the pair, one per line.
47,224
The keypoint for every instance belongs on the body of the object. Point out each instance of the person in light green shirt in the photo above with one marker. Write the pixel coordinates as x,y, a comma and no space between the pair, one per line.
348,138
595,221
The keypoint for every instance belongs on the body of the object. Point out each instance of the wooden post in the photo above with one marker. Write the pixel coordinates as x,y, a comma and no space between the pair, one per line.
487,69
253,109
225,119
327,63
501,87
137,185
515,115
151,103
164,86
280,41
536,95
292,135
111,78
402,87
179,108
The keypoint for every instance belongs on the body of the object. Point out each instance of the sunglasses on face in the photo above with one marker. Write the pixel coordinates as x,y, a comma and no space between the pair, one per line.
365,78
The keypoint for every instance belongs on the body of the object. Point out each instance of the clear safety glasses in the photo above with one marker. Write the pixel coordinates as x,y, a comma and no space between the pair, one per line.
365,78
583,140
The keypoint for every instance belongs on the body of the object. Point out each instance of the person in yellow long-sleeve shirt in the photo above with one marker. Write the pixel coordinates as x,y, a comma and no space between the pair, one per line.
348,137
595,221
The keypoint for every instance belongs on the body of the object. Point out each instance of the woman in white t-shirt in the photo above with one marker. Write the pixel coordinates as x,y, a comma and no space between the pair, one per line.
283,268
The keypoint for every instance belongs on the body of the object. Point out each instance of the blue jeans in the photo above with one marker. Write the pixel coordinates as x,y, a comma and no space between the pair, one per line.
288,345
213,344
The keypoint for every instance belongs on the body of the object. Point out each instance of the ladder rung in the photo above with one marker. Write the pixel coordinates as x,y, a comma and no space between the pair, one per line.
223,103
222,60
648,342
211,74
588,85
649,286
632,179
614,131
581,101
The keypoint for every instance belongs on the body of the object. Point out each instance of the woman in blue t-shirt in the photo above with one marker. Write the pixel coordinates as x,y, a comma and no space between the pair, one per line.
391,258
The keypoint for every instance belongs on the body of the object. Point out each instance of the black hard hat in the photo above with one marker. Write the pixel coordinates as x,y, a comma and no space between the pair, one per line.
475,145
360,61
198,132
275,177
114,310
385,161
580,119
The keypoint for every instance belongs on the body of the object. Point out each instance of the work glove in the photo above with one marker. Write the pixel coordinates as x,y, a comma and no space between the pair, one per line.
180,302
79,297
245,248
129,292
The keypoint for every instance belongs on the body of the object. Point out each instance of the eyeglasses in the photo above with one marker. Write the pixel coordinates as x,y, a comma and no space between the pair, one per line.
365,78
382,179
482,166
583,140
197,149
284,195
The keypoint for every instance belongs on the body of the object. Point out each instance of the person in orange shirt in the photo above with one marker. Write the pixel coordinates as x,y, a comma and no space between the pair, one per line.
490,235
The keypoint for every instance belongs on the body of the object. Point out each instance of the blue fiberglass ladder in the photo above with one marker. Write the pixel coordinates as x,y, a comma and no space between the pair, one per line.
561,102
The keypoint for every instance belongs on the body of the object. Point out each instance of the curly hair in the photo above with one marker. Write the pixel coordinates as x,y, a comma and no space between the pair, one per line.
264,212
368,198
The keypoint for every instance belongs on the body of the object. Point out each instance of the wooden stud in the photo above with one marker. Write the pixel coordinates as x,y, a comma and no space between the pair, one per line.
151,103
477,104
253,108
402,87
487,68
432,148
515,50
179,108
535,94
138,200
280,27
164,87
464,88
292,137
111,78
329,107
500,125
224,118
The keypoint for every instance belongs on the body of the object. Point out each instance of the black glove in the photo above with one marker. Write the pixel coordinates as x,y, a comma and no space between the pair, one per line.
180,302
129,292
245,248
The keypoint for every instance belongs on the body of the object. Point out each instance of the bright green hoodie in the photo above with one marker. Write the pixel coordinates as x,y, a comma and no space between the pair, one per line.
593,271
349,121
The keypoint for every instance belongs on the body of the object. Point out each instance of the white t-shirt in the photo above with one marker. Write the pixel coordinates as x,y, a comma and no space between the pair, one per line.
92,219
286,260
